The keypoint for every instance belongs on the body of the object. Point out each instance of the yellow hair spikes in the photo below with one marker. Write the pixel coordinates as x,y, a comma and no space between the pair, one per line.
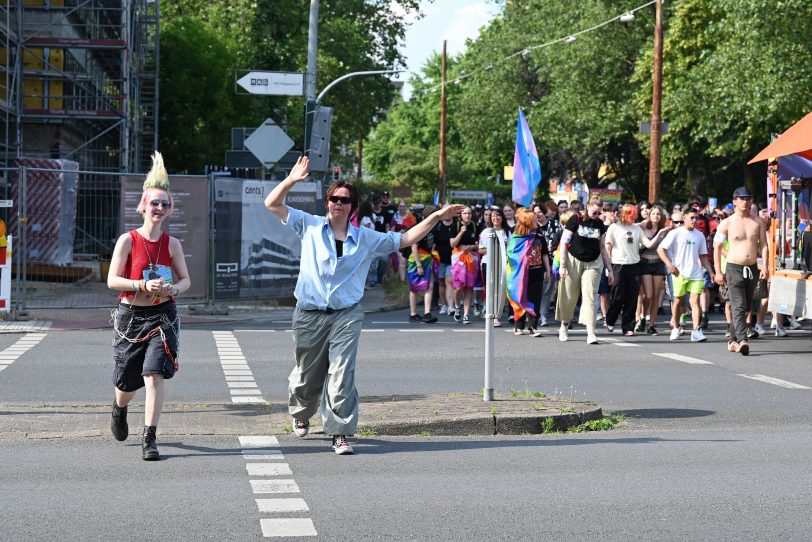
157,176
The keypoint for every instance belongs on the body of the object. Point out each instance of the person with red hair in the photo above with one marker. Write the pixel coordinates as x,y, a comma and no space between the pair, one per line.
624,240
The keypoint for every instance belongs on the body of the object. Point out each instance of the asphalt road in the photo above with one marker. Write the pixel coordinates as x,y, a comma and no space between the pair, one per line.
712,450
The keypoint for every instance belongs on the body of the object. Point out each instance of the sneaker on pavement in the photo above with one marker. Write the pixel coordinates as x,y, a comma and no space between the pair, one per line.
563,333
543,321
652,330
780,331
703,321
752,333
744,348
457,315
443,310
760,329
466,320
675,334
497,323
591,338
118,423
149,450
301,427
697,336
729,331
429,318
341,446
641,325
415,319
793,323
535,332
517,331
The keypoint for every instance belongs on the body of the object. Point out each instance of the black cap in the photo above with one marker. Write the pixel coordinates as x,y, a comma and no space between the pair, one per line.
376,199
742,192
385,193
478,206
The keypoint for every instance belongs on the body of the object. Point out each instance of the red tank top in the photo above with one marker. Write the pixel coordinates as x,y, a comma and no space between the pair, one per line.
144,252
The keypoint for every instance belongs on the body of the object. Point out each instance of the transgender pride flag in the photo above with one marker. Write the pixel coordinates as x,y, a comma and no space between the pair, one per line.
526,168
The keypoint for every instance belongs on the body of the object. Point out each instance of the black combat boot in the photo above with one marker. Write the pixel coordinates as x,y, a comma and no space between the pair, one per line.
118,423
149,449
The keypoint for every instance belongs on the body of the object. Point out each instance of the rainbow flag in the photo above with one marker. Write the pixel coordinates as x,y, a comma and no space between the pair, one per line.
518,272
430,261
526,166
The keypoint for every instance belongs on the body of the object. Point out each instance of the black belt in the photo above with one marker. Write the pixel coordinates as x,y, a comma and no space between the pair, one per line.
330,310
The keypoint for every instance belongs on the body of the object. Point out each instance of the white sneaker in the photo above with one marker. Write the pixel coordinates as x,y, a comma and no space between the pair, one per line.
543,321
444,309
675,334
563,333
466,320
760,329
591,338
793,323
780,332
301,427
535,332
497,323
697,336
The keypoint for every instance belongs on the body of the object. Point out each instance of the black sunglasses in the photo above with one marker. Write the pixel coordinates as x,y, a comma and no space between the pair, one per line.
343,200
162,202
677,222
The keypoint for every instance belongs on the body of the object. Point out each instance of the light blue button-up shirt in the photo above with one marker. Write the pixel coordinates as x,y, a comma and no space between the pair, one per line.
325,280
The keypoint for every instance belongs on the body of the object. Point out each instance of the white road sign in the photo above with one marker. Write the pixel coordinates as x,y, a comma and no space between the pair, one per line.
268,143
273,83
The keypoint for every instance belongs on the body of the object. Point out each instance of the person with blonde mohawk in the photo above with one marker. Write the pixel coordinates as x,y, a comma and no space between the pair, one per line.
149,269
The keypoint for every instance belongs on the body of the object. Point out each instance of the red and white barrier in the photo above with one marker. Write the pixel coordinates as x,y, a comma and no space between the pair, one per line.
5,274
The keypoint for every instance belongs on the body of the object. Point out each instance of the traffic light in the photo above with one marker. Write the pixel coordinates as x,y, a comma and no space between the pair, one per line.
336,173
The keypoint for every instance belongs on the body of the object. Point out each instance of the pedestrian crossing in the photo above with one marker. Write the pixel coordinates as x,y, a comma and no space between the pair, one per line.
239,378
273,480
23,345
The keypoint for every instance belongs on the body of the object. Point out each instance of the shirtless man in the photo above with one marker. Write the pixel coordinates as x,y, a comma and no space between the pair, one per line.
746,236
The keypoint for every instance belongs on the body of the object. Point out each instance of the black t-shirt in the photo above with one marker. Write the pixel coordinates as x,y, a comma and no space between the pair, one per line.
442,239
388,213
586,238
470,237
427,243
379,221
535,258
551,231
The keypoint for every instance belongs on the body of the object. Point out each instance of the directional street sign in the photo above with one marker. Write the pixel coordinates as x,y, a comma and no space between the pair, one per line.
269,143
273,83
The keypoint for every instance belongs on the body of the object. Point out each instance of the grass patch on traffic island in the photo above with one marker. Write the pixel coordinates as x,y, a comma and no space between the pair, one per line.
601,424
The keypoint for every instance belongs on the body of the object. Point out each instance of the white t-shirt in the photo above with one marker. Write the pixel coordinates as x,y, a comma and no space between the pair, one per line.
367,222
626,242
483,243
686,246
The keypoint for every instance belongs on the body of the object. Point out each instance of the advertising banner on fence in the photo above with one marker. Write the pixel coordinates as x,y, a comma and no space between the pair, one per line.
189,222
255,254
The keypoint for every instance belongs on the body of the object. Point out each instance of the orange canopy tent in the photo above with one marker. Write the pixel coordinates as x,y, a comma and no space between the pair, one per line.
796,140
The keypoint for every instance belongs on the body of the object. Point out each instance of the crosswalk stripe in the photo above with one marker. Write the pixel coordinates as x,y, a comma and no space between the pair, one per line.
268,469
283,527
282,505
239,379
684,359
776,381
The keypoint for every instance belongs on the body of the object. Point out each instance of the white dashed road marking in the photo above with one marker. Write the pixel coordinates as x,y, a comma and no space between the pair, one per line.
684,359
258,448
23,345
776,382
239,378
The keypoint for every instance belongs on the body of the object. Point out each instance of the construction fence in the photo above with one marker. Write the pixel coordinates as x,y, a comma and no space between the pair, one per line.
65,222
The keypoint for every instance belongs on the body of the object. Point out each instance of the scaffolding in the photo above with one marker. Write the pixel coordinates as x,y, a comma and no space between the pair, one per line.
79,82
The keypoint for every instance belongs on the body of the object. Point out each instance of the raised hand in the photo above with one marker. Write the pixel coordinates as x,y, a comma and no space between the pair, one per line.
301,170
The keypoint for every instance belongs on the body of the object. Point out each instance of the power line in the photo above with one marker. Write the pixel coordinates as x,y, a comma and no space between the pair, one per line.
626,16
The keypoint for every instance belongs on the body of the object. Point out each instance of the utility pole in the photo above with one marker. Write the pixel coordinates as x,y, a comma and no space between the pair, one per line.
656,106
310,76
442,128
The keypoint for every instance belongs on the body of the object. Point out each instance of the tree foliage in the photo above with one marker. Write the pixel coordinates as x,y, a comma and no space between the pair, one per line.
733,72
354,35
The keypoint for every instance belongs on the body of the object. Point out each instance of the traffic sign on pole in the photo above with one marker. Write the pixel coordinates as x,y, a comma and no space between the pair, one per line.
273,83
269,143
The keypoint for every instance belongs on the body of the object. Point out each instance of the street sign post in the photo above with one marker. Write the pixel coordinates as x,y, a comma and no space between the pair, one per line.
268,143
273,83
468,194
